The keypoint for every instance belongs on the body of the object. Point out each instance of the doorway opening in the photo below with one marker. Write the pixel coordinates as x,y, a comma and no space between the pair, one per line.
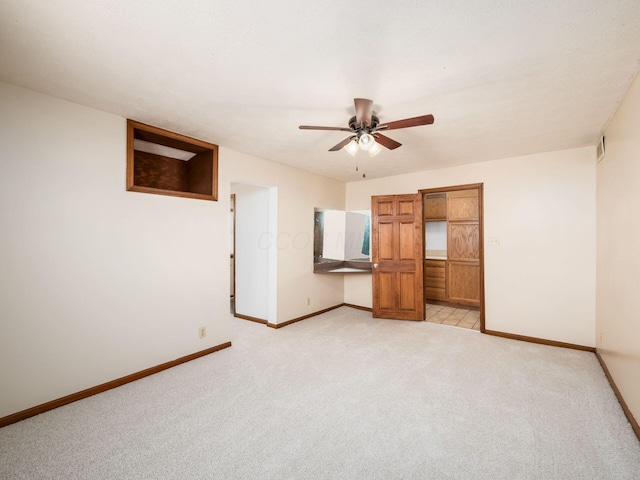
232,251
254,252
454,255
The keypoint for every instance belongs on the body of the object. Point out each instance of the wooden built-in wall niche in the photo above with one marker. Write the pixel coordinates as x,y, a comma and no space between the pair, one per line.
167,163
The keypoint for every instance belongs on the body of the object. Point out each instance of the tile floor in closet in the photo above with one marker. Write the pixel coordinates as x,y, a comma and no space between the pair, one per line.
457,317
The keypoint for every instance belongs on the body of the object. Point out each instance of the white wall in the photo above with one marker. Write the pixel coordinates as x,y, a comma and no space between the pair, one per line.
618,259
96,282
252,257
299,192
540,281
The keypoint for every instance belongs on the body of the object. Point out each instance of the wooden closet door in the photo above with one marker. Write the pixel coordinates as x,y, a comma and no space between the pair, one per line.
463,247
396,252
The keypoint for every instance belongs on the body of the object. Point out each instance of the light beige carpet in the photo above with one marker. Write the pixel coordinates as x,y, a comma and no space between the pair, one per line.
343,396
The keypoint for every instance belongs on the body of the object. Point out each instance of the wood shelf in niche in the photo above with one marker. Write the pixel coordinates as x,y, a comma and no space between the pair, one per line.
167,163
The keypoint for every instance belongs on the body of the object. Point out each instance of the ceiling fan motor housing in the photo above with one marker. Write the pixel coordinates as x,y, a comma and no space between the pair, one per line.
353,125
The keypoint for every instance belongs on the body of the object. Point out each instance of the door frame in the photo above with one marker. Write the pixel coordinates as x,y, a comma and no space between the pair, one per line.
232,200
469,186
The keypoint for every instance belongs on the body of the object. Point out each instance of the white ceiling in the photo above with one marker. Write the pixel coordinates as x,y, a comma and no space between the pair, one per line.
502,78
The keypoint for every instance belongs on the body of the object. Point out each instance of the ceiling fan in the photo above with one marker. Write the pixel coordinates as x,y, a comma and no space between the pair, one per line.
365,128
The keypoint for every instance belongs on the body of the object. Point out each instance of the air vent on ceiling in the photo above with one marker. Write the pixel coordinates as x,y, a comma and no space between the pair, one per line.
600,149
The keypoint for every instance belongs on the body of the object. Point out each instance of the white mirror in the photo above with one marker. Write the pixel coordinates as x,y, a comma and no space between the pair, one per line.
341,236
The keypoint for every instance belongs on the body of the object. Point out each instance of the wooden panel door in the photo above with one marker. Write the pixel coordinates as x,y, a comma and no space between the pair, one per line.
396,252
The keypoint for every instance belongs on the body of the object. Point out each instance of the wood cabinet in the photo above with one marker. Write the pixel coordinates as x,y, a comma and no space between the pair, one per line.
463,241
435,280
456,280
464,283
463,205
435,207
463,247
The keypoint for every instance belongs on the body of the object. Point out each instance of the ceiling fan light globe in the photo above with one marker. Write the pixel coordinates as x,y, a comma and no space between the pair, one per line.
374,150
366,141
351,148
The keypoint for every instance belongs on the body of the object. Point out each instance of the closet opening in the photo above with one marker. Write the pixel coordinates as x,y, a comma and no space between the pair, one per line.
453,256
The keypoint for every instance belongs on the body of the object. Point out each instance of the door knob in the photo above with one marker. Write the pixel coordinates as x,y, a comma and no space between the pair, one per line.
375,265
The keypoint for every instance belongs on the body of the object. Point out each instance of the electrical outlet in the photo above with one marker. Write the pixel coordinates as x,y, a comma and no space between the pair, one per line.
308,300
202,332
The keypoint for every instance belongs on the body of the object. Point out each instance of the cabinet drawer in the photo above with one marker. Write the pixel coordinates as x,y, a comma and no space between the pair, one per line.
437,272
434,293
434,263
434,282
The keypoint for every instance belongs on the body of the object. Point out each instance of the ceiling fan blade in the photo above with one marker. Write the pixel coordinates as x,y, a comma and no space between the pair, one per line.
364,110
337,147
386,141
311,127
408,122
